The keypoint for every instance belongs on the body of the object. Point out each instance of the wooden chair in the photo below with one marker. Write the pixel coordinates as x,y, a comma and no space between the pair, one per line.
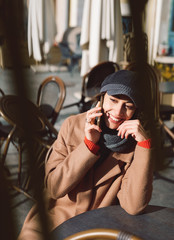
50,97
17,134
158,126
102,234
91,83
154,77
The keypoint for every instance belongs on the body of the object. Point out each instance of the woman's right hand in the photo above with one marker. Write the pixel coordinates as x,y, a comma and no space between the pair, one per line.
92,131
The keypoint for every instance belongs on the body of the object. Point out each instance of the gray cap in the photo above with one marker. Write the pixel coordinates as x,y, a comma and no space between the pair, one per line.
123,82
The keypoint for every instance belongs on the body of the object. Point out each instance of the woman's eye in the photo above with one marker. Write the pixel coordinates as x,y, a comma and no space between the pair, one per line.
129,107
113,100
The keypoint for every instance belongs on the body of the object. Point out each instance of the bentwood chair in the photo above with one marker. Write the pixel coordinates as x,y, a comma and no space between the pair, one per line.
24,131
102,234
50,97
152,77
91,83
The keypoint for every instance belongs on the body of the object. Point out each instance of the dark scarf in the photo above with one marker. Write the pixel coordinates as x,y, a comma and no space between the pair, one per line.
109,140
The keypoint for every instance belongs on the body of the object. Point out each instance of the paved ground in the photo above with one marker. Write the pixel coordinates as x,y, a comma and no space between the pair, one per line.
163,184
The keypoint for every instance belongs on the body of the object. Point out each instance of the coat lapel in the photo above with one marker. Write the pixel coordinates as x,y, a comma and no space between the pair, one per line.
111,167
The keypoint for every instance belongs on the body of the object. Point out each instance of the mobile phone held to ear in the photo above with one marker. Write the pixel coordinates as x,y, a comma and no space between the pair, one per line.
101,105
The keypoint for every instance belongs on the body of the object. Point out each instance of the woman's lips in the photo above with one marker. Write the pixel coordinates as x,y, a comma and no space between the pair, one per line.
113,119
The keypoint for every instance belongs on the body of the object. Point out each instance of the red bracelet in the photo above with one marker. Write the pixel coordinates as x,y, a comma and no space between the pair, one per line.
94,148
145,144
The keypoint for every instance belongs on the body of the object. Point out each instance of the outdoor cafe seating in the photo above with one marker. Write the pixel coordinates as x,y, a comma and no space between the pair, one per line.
27,126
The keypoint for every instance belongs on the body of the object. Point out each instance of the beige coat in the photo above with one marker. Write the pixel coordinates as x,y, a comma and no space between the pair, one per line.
76,184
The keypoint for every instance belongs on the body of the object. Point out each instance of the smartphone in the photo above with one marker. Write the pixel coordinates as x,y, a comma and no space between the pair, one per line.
101,105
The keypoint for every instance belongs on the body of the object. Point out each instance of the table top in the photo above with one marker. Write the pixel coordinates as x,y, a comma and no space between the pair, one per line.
156,223
11,108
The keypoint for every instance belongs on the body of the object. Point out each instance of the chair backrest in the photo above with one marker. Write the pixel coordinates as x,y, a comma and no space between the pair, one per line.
102,234
94,78
152,78
50,97
92,81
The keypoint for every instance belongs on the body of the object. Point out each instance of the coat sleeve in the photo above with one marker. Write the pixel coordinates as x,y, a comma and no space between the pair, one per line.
136,187
68,163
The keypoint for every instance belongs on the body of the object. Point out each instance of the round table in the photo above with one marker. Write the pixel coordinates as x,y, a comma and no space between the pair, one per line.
13,108
156,223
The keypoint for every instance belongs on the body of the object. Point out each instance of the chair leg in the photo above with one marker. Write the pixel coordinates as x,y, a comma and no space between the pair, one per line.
7,143
26,185
3,157
19,165
23,192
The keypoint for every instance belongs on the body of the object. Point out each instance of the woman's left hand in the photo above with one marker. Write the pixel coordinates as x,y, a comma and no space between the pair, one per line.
133,128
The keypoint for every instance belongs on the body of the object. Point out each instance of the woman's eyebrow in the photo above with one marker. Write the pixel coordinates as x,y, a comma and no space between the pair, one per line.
130,102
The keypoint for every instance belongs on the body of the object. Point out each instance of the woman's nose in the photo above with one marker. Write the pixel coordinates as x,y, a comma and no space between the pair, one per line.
119,110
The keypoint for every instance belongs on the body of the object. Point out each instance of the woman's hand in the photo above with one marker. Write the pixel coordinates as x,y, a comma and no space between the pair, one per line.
92,131
133,128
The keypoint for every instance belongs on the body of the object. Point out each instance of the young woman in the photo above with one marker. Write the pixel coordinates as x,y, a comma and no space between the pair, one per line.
91,166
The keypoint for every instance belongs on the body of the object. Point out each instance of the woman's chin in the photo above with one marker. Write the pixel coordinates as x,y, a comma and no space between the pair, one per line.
112,125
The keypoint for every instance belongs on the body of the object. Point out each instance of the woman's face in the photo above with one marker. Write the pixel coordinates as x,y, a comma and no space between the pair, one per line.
117,109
